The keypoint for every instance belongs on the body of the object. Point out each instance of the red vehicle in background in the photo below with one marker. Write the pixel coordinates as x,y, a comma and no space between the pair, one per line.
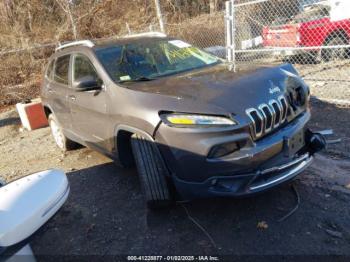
325,24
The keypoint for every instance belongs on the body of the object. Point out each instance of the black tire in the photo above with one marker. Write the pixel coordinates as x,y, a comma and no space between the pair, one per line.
335,54
63,143
152,172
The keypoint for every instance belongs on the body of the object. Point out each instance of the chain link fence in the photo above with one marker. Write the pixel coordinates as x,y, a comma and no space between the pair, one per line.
21,75
204,31
313,35
21,69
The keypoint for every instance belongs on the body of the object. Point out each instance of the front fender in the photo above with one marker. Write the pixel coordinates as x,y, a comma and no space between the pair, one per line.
122,149
133,130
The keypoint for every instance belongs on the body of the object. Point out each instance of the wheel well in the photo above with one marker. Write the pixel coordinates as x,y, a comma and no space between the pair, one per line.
124,149
47,111
342,33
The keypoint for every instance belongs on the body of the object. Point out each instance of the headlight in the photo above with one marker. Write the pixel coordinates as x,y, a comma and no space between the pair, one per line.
189,120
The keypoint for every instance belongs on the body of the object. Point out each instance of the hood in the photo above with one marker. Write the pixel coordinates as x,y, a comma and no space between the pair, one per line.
217,87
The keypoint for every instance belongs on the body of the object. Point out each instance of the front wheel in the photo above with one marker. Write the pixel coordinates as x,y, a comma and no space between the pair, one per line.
152,171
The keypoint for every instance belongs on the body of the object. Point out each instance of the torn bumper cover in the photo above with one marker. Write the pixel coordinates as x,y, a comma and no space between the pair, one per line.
254,182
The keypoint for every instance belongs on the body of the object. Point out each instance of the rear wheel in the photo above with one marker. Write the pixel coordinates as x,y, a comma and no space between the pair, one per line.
61,140
152,171
335,53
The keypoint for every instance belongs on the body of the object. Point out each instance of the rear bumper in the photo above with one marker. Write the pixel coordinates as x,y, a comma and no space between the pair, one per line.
246,184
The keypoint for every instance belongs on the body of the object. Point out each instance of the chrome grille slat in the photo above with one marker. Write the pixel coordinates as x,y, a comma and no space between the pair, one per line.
284,105
268,116
268,119
277,108
258,128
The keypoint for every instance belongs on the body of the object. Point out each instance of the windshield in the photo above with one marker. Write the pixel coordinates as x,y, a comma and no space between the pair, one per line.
152,59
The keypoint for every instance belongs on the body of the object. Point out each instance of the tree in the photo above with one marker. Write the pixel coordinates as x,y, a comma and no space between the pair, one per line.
65,5
213,6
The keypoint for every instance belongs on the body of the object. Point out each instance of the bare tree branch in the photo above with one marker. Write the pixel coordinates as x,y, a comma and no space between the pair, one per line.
64,4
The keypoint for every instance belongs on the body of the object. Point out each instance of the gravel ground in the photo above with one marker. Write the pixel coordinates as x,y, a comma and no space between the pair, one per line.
105,214
328,81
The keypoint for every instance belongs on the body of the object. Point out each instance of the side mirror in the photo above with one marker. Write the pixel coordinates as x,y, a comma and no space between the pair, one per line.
86,83
28,203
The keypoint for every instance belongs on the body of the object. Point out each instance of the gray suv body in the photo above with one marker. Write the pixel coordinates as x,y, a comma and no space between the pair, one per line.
193,127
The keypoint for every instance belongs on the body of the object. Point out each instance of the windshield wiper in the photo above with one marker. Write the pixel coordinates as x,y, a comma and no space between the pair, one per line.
139,79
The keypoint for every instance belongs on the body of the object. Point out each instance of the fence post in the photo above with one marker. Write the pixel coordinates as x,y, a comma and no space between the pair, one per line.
230,33
160,16
233,23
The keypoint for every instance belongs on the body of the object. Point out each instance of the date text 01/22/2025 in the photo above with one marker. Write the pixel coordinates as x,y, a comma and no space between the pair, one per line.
172,258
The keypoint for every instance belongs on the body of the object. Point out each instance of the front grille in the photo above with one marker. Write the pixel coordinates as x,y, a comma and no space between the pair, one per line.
284,104
267,117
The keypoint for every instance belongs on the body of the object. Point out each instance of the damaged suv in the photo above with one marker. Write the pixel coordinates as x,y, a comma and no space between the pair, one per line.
192,127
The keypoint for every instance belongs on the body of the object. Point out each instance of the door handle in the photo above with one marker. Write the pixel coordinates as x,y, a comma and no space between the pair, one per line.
71,97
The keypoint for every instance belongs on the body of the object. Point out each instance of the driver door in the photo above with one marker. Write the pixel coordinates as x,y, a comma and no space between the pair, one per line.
88,108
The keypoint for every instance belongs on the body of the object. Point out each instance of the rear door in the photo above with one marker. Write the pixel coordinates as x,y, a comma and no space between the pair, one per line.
57,87
89,108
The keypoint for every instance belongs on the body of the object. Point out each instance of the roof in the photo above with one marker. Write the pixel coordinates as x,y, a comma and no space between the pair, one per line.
113,41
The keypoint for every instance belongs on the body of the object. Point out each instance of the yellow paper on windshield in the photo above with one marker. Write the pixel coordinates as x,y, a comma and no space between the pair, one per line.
125,78
179,43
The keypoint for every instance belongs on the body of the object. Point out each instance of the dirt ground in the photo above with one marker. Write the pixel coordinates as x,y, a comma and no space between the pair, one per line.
105,214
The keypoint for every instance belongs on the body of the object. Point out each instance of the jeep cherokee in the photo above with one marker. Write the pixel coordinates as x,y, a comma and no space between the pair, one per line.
191,126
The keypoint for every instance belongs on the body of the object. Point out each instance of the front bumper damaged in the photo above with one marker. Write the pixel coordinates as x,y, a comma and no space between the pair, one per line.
257,181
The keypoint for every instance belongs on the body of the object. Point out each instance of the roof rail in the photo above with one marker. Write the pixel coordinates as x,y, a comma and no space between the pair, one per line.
150,34
87,43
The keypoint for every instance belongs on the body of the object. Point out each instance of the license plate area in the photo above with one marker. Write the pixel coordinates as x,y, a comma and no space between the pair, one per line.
294,143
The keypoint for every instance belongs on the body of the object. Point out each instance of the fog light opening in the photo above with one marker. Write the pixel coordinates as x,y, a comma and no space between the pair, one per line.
223,150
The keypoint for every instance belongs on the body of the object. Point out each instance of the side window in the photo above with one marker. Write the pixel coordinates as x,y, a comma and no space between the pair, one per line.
49,71
61,69
83,67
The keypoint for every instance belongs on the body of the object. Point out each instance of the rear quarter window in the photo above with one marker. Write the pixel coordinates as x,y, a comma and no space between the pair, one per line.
49,70
62,69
